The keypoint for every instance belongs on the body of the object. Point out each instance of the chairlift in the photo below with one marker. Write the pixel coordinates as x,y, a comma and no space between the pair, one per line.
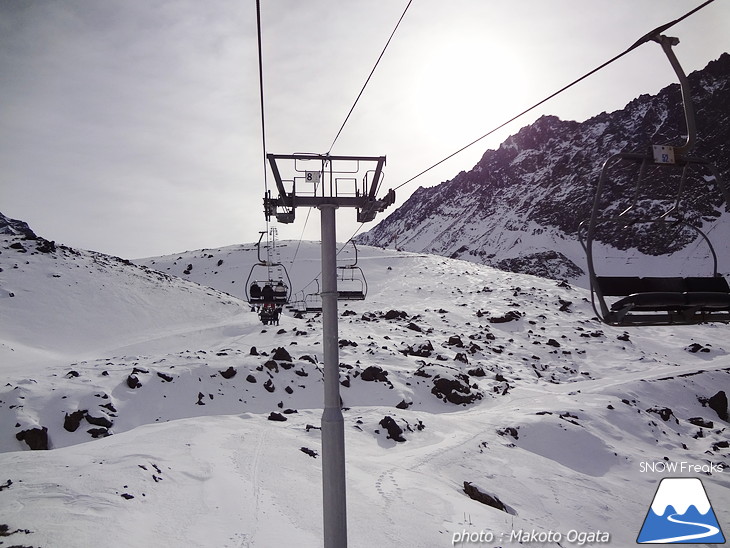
313,301
297,303
351,282
264,292
653,300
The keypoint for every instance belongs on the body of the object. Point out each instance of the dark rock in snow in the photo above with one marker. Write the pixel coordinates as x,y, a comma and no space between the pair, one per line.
35,438
422,350
165,377
718,403
702,423
269,386
72,422
280,354
664,412
395,315
510,316
475,493
228,373
133,382
374,373
277,417
509,431
98,432
696,347
455,390
99,421
44,246
312,453
110,407
395,432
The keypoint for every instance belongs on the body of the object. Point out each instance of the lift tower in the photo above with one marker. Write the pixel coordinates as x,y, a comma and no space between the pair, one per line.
327,183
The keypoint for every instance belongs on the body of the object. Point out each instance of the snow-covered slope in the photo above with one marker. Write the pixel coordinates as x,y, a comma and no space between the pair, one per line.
58,301
175,418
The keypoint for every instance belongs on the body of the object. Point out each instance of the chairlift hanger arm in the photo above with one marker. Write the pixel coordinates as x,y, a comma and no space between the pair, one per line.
666,43
258,245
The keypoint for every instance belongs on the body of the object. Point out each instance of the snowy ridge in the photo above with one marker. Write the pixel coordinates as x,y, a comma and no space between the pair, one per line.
174,417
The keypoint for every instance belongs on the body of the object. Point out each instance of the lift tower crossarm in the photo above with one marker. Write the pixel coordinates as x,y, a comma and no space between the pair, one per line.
338,186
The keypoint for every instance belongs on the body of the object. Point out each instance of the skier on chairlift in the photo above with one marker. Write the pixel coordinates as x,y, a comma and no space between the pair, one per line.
280,292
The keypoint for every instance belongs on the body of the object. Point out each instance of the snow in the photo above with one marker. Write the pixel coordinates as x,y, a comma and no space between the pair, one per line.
565,409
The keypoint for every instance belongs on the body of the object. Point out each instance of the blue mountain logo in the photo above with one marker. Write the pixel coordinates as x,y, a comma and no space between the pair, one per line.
680,513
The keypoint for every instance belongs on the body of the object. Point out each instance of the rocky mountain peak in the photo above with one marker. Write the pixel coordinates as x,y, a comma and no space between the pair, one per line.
519,208
13,227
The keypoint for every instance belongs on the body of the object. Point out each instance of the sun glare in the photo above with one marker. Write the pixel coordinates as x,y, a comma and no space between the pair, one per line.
465,88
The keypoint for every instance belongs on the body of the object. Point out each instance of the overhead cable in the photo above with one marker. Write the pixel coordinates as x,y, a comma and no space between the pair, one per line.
369,76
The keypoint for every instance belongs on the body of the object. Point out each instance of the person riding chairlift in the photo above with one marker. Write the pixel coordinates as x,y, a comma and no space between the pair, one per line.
267,293
255,292
280,292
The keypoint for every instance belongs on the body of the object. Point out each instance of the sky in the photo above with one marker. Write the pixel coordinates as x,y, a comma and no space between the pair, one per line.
134,128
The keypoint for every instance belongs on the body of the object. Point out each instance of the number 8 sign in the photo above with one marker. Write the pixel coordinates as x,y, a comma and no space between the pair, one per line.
312,176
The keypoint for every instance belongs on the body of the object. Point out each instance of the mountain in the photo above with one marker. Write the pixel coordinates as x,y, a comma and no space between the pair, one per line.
520,206
478,403
58,301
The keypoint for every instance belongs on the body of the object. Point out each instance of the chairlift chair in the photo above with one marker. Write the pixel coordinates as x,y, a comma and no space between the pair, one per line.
351,282
313,301
652,300
262,289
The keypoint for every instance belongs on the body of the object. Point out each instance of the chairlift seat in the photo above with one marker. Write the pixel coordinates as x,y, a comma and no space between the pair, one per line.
350,296
716,284
693,294
615,286
651,300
